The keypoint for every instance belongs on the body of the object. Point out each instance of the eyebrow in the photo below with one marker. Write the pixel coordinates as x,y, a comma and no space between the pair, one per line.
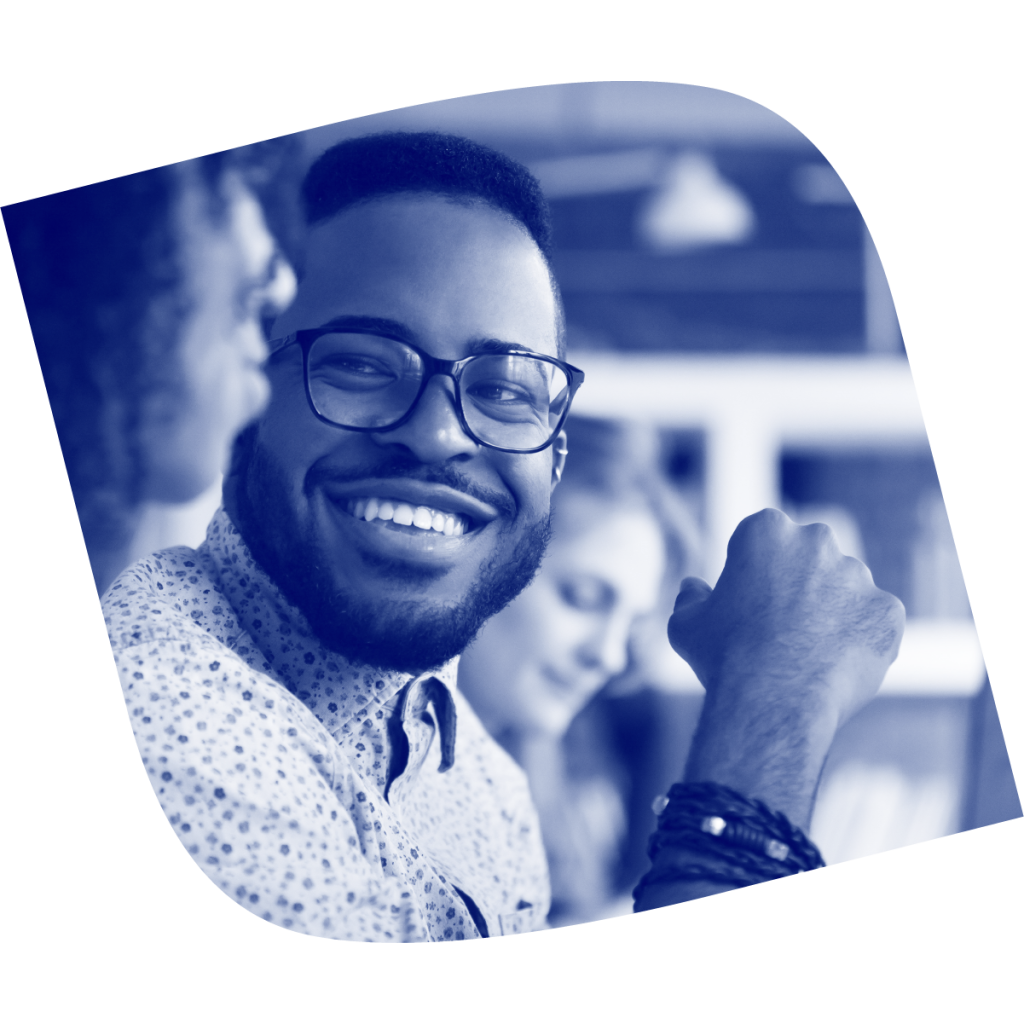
400,332
371,325
493,345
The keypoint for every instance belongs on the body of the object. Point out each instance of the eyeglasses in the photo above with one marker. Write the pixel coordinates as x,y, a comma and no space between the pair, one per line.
509,401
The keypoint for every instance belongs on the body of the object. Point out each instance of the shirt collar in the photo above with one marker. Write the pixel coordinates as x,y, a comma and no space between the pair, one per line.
336,690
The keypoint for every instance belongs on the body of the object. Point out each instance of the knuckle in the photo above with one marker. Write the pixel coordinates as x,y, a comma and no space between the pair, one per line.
768,519
895,609
760,533
857,571
816,530
885,623
776,522
820,536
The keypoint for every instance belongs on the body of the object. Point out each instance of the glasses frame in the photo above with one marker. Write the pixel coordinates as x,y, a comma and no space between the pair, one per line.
433,367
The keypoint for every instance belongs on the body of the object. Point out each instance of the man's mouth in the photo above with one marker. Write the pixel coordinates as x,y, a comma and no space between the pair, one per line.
419,517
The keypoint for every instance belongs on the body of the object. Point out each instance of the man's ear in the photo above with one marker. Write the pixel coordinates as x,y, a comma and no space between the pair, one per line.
559,451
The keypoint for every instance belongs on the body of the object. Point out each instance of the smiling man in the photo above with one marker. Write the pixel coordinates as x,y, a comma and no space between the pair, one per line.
292,682
398,543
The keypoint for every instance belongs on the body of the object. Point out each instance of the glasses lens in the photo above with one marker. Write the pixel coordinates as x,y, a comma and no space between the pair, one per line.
514,401
362,380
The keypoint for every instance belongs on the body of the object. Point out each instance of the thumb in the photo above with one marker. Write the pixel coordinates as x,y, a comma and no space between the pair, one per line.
682,626
693,592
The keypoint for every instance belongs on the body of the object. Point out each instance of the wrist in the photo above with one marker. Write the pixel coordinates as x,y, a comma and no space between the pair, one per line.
710,835
766,744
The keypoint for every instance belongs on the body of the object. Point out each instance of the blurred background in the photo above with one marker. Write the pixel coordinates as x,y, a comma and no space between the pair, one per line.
722,290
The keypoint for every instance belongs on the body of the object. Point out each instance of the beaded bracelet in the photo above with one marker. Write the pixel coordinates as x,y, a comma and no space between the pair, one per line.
748,842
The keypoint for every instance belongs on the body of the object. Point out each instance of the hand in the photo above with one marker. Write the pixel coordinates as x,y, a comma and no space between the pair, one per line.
791,616
793,639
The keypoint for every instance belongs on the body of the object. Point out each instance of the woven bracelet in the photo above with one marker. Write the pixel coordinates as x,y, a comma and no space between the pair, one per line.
749,842
713,848
722,817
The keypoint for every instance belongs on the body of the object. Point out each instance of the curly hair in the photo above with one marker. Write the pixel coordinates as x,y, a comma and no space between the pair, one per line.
103,280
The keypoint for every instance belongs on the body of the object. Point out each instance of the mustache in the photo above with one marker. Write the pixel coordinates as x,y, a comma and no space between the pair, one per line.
409,467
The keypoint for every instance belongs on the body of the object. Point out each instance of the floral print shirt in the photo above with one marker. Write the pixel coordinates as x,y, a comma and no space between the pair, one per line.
326,797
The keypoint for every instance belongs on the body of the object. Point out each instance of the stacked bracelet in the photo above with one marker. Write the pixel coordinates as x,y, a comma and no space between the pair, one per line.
735,841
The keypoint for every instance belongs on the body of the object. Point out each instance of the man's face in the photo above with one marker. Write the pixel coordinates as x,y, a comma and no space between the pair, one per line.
450,278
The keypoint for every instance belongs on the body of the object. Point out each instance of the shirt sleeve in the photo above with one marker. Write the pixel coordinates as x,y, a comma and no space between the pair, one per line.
256,795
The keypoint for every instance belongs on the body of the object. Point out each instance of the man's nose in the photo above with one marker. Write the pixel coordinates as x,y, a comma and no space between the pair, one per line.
433,433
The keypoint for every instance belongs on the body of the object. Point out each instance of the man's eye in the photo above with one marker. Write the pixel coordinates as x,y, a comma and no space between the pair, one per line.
587,594
361,367
355,367
496,391
353,372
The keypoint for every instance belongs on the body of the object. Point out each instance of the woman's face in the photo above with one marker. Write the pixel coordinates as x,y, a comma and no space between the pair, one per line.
232,274
535,665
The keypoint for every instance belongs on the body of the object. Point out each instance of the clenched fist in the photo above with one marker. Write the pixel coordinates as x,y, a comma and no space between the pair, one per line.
794,638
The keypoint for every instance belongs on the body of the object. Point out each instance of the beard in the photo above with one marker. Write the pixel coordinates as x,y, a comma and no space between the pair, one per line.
413,635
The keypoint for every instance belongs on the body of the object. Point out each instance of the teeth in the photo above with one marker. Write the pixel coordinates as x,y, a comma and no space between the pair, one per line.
422,517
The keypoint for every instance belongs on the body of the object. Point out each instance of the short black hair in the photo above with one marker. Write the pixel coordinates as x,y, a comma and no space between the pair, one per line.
386,163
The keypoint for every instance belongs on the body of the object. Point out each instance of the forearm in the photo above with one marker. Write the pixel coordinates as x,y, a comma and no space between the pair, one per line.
769,751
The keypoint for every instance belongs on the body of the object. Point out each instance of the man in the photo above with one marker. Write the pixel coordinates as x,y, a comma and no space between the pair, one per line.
291,683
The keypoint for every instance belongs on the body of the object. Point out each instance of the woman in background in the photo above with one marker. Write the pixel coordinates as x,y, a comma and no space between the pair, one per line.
145,296
620,545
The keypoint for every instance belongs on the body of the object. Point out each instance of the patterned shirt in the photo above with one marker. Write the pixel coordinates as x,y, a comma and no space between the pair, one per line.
327,797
